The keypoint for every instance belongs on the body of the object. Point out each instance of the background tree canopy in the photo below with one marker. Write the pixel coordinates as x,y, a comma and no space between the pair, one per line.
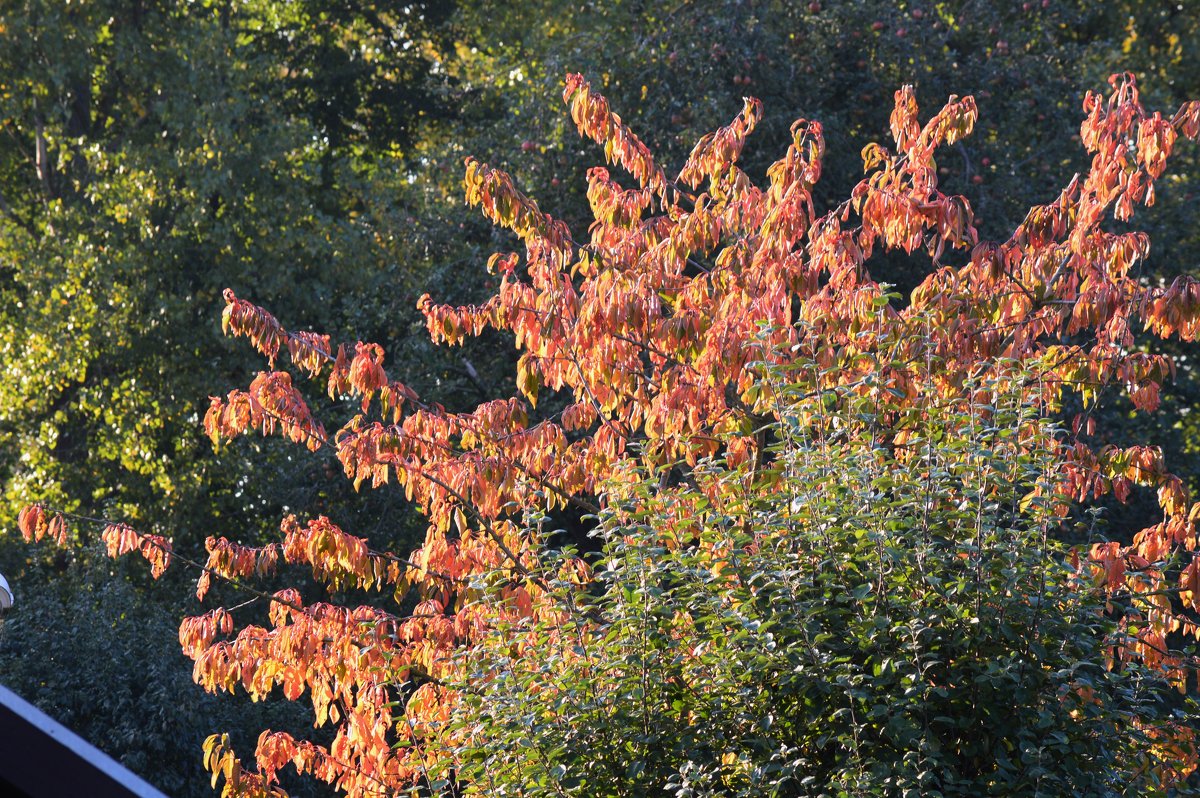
309,156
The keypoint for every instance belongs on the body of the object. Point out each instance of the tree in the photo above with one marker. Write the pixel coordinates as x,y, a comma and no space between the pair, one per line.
155,154
711,346
1025,63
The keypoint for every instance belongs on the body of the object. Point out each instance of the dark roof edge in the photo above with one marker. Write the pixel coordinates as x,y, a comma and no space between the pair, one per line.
42,757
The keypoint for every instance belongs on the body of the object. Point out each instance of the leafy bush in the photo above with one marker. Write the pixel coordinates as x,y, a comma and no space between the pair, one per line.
844,618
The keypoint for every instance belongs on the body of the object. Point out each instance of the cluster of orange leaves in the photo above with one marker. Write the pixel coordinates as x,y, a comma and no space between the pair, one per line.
119,539
34,525
647,329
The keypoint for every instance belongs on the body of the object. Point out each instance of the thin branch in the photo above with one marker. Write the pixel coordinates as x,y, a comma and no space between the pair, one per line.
149,539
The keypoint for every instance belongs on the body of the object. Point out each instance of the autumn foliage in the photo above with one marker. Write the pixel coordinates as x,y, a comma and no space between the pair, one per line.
647,348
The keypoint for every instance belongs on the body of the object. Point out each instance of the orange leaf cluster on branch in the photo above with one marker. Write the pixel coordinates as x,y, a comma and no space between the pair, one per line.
121,539
271,404
34,525
591,114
